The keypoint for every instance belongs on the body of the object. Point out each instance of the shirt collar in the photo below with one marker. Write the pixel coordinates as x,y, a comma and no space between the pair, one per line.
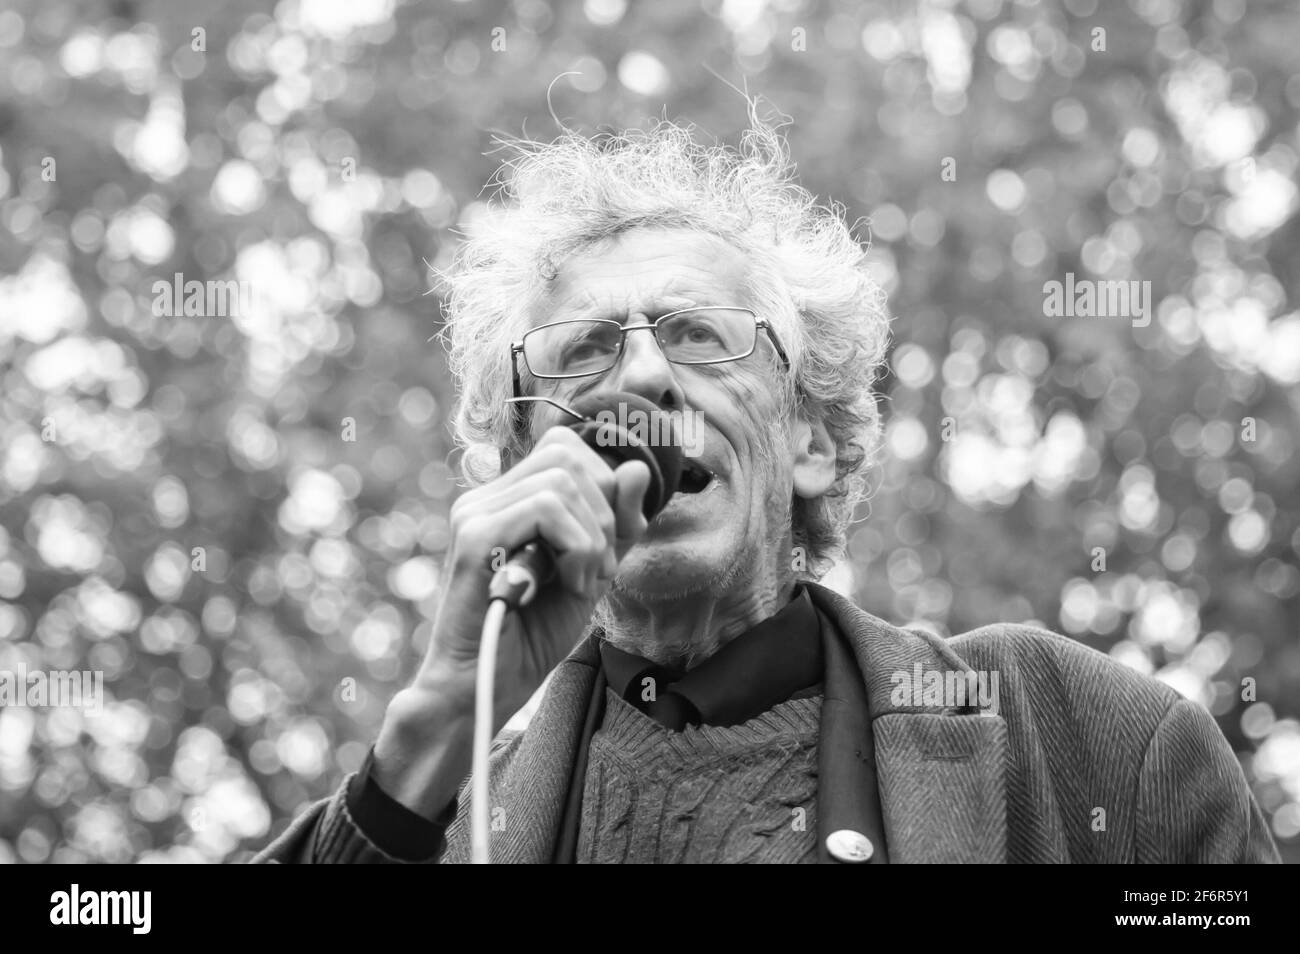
751,673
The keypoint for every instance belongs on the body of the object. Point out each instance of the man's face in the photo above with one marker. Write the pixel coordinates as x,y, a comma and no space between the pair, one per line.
738,525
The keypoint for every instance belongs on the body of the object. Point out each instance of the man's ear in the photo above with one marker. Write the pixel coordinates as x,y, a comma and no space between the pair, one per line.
814,459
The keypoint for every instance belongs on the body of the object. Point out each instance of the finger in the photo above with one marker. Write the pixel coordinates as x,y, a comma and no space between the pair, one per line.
560,450
564,523
581,483
594,476
577,488
562,447
632,479
484,535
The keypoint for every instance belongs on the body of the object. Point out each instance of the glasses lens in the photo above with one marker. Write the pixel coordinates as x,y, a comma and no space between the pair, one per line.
707,334
572,347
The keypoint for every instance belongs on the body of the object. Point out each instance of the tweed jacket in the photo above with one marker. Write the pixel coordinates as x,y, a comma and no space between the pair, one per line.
1085,761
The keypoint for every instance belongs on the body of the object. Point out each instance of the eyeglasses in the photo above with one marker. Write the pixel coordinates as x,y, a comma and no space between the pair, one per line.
582,347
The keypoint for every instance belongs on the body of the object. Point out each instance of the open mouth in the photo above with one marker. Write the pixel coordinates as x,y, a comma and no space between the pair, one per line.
694,478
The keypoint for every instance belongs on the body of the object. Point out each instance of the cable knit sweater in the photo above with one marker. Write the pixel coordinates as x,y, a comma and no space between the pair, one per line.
743,793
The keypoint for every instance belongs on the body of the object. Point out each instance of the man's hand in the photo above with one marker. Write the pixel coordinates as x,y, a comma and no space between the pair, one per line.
564,493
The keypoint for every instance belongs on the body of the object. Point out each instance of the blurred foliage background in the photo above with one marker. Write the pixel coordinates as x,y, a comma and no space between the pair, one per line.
185,509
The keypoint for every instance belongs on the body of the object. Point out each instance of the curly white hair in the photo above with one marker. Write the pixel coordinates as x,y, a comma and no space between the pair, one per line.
808,277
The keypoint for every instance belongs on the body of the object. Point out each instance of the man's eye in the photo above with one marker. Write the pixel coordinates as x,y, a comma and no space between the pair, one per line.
701,337
589,346
589,351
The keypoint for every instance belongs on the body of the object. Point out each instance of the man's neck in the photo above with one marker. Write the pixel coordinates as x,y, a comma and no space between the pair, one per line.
686,631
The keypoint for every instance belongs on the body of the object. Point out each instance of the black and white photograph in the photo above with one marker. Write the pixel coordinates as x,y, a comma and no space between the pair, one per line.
632,432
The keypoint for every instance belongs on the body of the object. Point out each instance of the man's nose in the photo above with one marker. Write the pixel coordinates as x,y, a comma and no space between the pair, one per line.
643,370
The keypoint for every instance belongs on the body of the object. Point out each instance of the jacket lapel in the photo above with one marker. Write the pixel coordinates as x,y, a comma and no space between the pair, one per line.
531,773
940,769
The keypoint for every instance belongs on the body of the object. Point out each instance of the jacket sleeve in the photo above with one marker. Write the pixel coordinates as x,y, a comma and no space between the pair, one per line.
326,833
360,824
1194,804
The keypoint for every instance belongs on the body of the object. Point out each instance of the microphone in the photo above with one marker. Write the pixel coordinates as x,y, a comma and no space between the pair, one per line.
532,566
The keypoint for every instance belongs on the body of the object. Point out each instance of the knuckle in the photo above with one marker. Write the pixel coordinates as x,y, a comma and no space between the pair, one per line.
464,511
562,480
559,440
541,455
470,530
550,501
578,460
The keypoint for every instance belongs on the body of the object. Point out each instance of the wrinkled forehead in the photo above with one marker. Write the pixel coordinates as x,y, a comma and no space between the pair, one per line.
644,271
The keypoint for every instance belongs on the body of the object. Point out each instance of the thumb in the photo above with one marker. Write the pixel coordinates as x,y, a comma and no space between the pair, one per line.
631,478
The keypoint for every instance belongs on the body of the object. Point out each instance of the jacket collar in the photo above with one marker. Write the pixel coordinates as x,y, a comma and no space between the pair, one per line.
941,769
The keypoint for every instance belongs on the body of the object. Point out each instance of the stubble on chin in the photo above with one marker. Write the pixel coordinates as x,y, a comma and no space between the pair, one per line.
622,632
712,579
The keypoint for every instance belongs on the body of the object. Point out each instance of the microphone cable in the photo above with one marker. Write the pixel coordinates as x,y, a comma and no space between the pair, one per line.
532,566
513,586
483,722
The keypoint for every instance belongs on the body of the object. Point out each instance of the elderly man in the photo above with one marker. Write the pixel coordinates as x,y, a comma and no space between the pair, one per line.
708,701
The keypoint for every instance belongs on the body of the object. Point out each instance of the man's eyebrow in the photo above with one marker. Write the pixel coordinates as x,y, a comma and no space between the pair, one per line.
671,301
